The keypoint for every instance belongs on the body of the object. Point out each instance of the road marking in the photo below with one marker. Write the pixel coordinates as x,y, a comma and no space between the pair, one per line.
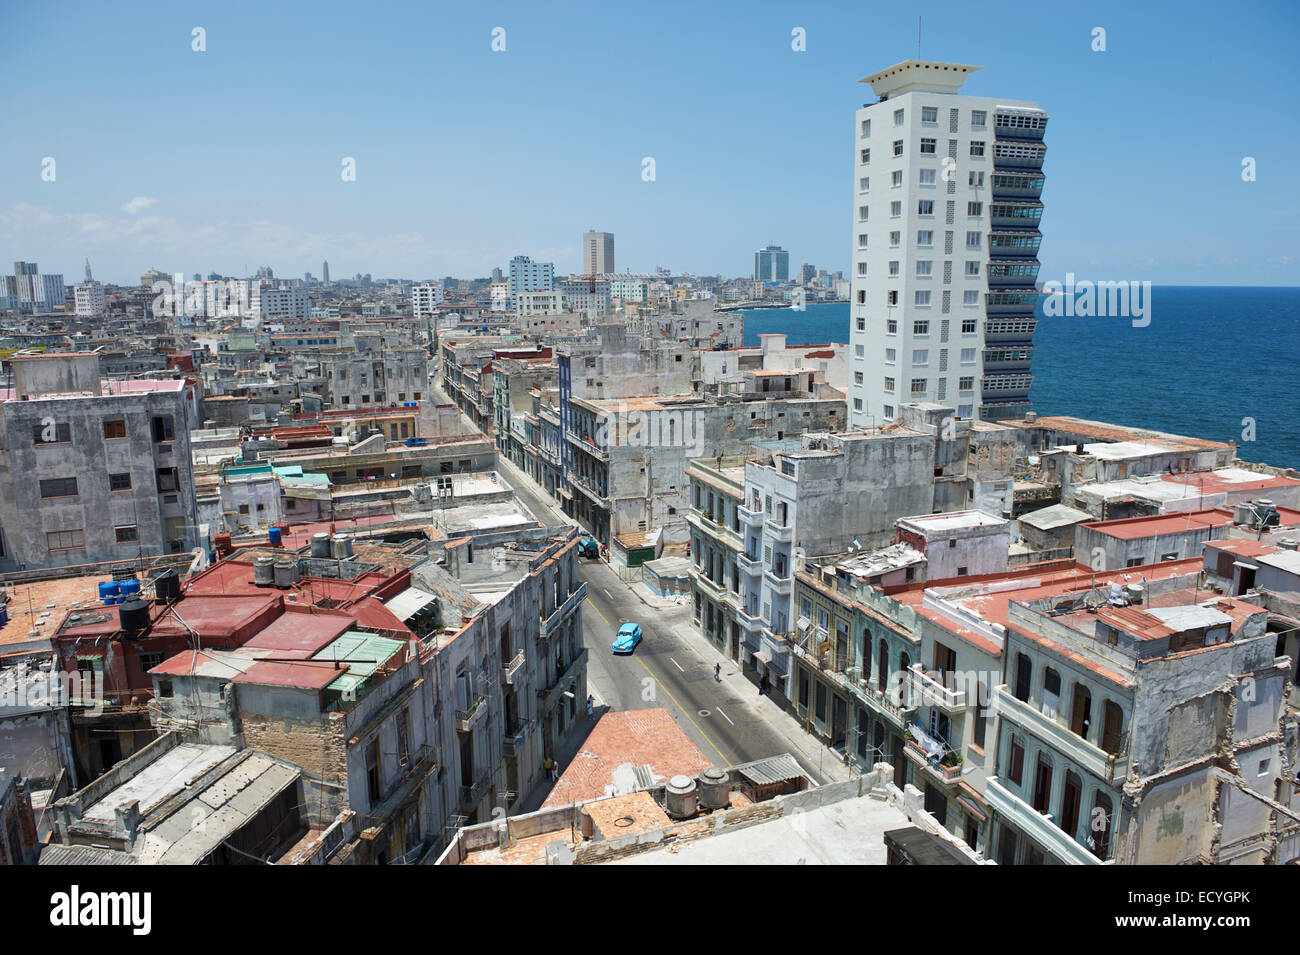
724,715
676,664
685,713
608,594
598,613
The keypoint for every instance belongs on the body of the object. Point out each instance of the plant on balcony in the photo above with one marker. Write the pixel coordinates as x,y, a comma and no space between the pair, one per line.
951,759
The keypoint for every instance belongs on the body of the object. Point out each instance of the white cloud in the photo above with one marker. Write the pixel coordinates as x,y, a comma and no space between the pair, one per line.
138,204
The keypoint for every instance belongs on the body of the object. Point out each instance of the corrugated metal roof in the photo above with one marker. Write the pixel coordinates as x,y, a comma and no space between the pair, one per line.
364,653
773,769
409,602
83,855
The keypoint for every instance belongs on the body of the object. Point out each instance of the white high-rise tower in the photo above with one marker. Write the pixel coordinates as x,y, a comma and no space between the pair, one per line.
945,246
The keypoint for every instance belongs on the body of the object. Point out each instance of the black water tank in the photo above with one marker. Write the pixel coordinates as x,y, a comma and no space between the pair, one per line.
167,586
134,616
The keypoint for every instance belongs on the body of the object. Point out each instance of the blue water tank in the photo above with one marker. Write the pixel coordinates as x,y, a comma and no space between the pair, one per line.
130,587
109,588
4,613
275,535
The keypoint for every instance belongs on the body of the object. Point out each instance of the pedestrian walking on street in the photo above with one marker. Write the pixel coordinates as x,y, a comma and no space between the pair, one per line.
717,672
546,765
764,685
591,704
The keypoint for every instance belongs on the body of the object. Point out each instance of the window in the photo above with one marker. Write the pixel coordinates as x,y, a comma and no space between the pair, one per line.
965,411
126,534
967,355
859,351
969,297
929,114
862,213
925,207
927,177
895,209
925,238
973,240
1024,670
968,324
862,240
896,177
862,297
890,354
857,377
1043,784
889,385
921,327
59,487
51,433
918,386
1015,771
120,482
924,267
866,127
898,117
898,147
894,238
891,326
862,268
977,147
978,118
974,208
1112,722
862,324
928,147
857,404
1100,825
921,356
65,540
976,179
1051,692
866,156
891,296
163,428
864,184
966,384
889,413
115,428
923,298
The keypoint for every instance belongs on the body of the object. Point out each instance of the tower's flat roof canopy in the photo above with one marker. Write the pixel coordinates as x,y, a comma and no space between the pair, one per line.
924,75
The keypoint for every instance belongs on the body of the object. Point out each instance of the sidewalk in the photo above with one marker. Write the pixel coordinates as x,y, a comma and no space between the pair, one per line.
812,755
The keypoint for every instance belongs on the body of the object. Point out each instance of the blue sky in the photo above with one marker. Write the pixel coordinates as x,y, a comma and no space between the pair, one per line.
230,158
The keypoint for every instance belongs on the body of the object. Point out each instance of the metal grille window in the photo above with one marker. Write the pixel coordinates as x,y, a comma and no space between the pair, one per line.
59,487
949,211
51,433
943,361
947,300
952,120
943,330
947,273
947,243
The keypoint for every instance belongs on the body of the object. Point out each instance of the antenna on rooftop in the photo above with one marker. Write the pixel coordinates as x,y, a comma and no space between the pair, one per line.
918,38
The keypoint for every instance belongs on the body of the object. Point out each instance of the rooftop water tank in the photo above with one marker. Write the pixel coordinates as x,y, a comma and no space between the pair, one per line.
320,545
130,587
133,616
680,797
274,535
341,547
264,571
286,573
1288,543
714,789
167,586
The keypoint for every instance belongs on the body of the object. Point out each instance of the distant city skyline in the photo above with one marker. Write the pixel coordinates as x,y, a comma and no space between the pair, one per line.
1130,145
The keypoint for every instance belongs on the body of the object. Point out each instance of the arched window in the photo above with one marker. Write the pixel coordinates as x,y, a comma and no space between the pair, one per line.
1100,824
1081,715
1112,727
866,655
882,679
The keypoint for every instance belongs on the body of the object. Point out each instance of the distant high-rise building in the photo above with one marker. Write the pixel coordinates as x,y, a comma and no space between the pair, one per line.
529,276
807,273
53,294
598,253
325,272
497,275
89,277
772,264
945,246
425,297
88,299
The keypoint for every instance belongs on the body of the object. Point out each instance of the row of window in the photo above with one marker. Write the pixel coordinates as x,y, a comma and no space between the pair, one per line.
52,432
919,385
930,117
920,326
117,481
925,177
76,539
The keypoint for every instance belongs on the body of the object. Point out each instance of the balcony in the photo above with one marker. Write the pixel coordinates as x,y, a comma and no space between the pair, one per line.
928,691
748,565
555,622
888,705
933,766
748,622
781,533
783,586
512,667
712,590
471,716
587,444
1034,824
595,493
552,694
750,518
471,796
1073,747
514,743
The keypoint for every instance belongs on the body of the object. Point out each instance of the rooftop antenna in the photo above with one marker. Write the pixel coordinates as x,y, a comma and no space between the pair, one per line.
918,38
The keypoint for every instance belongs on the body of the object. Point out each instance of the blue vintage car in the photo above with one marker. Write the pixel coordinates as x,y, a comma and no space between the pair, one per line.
629,635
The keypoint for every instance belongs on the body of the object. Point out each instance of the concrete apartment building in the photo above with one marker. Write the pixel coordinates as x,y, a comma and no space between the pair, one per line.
385,374
772,264
425,299
528,276
945,242
598,253
92,470
89,301
587,296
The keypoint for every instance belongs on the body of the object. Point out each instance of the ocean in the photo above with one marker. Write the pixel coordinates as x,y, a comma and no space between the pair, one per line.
1214,362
